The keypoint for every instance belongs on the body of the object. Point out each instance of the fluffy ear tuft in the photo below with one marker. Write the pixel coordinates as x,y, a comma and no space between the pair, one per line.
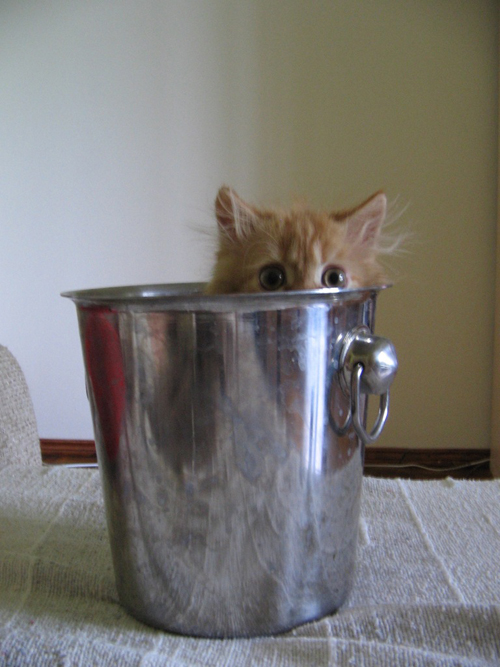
365,222
235,217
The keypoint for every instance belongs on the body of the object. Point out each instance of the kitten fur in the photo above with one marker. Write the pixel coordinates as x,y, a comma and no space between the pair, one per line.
301,242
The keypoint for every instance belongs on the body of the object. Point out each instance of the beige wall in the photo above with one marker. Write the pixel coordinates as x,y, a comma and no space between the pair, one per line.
120,120
402,96
495,413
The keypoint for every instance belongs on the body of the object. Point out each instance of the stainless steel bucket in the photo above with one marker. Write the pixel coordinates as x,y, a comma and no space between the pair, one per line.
230,438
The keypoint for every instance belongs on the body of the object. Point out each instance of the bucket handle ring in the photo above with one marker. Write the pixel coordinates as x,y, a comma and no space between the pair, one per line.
368,365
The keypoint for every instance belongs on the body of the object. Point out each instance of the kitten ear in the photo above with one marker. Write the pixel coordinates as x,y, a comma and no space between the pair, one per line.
235,217
365,222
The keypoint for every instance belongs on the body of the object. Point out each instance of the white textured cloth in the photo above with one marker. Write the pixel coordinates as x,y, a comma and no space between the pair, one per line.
426,592
19,441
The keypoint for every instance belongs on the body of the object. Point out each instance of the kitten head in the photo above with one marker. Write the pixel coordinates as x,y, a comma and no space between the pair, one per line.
297,248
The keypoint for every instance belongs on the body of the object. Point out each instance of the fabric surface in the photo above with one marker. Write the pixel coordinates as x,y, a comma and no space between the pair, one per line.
426,591
19,441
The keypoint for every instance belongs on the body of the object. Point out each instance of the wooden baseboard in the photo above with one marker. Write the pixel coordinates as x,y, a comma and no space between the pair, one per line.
427,463
379,461
63,452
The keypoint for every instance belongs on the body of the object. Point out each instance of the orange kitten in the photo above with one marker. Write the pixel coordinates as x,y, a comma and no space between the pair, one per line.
297,248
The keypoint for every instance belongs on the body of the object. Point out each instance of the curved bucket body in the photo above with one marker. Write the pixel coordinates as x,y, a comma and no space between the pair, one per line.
232,502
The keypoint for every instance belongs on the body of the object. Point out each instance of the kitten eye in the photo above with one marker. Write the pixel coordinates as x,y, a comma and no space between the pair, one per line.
272,277
334,277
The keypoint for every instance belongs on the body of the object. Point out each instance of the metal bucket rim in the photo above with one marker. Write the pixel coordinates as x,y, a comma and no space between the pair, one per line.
191,296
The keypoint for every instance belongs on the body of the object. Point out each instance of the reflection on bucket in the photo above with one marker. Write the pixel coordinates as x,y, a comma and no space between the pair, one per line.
105,370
